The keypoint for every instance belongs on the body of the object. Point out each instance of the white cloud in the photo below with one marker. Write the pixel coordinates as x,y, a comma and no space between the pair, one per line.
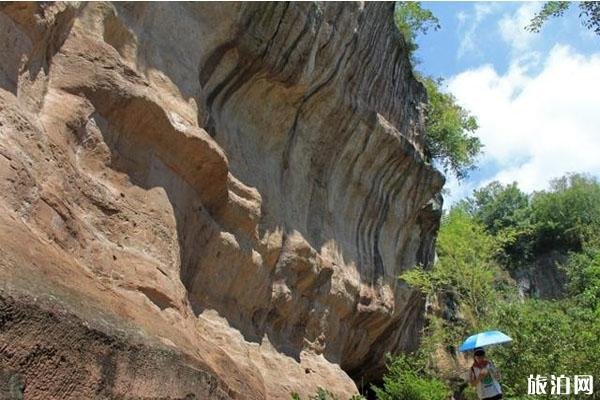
512,27
538,120
468,42
455,190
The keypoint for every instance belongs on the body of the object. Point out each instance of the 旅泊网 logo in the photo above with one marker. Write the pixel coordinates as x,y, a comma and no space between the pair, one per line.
560,385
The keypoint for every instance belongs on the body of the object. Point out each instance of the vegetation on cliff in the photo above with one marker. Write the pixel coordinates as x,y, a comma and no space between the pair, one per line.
450,140
477,250
489,241
551,336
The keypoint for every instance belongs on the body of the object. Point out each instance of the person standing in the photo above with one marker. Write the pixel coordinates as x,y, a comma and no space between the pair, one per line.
485,377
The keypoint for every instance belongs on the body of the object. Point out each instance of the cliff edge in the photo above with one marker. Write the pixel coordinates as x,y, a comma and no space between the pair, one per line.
207,200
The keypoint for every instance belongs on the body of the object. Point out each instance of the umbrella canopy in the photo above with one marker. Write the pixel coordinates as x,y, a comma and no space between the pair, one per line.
484,339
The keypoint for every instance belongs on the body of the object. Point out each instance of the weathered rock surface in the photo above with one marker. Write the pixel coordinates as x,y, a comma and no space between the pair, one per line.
543,277
207,200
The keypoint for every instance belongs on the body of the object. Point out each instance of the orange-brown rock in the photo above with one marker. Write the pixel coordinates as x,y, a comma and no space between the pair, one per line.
207,200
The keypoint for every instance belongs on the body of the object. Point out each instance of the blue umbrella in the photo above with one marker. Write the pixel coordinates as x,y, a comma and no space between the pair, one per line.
484,339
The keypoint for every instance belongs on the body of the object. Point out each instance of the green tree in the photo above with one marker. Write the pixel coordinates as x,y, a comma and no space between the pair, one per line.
567,215
450,131
450,139
406,380
504,211
465,266
323,394
562,218
499,206
549,336
589,12
542,342
583,272
412,19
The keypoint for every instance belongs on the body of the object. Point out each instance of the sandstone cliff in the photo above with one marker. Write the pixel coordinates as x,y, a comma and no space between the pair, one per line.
204,200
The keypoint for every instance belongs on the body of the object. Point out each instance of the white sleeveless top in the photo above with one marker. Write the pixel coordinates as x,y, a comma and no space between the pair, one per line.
488,386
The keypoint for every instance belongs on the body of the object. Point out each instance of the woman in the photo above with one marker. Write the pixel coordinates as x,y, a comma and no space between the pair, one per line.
484,376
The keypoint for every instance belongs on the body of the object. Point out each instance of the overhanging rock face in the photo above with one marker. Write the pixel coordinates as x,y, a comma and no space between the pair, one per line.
207,200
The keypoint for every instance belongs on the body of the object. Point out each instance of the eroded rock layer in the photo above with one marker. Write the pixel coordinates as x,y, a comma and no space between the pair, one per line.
207,200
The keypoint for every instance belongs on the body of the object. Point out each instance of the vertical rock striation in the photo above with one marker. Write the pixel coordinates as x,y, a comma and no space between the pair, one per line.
218,195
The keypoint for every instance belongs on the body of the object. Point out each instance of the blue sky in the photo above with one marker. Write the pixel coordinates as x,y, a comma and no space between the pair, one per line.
536,95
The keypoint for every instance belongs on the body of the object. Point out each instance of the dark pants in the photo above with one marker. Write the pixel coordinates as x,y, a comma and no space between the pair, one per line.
496,397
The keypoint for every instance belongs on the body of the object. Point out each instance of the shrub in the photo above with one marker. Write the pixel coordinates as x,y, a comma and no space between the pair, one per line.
405,381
